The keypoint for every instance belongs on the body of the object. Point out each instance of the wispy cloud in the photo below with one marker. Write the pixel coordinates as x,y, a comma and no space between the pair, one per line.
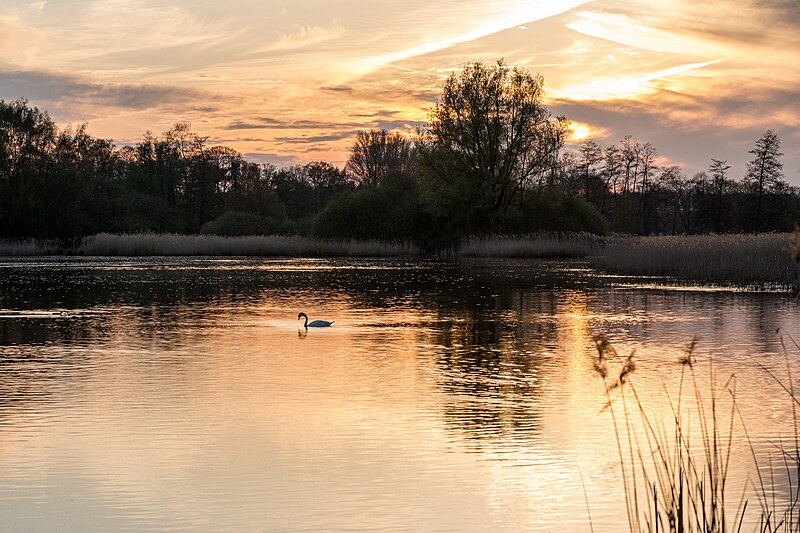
302,36
507,15
625,86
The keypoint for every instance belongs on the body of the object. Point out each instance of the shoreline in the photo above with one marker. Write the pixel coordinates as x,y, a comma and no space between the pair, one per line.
763,262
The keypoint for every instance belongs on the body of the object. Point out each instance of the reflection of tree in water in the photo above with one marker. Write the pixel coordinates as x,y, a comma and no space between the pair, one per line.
31,375
495,323
491,367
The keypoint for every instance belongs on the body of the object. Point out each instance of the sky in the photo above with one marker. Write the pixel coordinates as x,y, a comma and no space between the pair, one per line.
289,83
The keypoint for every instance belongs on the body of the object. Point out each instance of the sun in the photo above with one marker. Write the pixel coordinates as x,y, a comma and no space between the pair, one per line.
580,131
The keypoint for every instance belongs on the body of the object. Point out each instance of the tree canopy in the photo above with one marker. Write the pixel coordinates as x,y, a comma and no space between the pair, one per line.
490,136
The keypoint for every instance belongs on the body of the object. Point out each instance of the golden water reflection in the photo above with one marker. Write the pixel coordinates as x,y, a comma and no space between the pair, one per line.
182,394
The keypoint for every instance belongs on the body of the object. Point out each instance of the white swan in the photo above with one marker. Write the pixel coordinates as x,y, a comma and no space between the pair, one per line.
314,324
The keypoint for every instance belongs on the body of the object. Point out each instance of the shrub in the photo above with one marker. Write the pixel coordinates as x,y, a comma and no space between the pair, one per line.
555,211
237,223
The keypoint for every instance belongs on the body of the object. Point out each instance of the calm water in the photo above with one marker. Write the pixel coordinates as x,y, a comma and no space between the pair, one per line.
180,394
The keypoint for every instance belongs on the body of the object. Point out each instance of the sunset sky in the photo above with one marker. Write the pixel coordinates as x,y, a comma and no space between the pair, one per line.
289,82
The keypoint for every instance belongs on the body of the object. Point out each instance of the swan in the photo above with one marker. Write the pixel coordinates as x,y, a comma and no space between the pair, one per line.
314,324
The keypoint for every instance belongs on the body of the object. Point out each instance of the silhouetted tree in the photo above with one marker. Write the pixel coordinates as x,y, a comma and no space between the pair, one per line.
490,136
764,173
376,153
717,192
591,155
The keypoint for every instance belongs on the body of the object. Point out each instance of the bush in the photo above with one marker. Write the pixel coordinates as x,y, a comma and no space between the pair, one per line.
354,215
560,212
237,223
391,211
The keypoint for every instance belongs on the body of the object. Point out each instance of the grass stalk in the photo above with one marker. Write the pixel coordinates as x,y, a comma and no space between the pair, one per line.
686,483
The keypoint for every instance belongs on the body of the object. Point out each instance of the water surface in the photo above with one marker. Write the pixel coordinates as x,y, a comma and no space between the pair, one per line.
181,395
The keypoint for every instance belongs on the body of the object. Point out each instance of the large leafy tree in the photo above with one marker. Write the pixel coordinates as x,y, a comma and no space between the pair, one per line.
490,136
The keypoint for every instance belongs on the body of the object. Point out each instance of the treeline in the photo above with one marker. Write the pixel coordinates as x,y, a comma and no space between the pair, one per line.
491,161
637,195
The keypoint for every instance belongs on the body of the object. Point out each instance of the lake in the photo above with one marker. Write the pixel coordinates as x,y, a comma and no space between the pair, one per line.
181,394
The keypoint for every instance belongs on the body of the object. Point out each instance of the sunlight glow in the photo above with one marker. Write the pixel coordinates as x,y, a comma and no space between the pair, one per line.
517,15
625,86
580,131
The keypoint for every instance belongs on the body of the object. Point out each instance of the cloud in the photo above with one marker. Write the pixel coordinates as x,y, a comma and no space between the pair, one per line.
306,35
75,90
626,86
628,31
338,89
380,119
269,123
279,160
504,17
316,138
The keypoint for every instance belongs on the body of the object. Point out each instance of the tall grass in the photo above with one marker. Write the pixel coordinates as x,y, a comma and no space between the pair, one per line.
29,247
147,244
739,260
560,245
676,480
759,260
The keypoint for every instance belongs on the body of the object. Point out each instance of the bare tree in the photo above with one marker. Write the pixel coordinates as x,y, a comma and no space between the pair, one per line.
376,153
591,155
719,188
764,171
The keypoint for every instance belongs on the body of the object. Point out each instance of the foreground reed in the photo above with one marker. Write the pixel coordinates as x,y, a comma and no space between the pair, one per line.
759,260
674,483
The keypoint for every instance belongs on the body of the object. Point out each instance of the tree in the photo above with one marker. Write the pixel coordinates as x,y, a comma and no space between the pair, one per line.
27,137
612,166
376,153
489,136
719,188
591,154
647,167
326,180
764,172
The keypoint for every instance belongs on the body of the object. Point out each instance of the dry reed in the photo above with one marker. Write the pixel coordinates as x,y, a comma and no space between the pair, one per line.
561,245
153,244
29,247
672,483
750,260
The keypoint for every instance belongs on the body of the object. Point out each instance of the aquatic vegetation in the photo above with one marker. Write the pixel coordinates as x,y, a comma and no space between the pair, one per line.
673,483
146,244
29,247
564,245
763,259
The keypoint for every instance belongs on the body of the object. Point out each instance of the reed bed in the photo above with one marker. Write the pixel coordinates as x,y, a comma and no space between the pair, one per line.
29,247
750,260
560,245
157,244
760,261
